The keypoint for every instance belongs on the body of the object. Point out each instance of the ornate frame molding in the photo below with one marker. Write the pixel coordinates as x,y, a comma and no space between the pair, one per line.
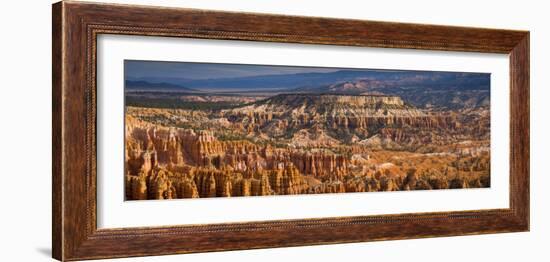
76,26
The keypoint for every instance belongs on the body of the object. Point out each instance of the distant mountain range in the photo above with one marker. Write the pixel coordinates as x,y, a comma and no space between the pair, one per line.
306,81
419,88
453,94
141,85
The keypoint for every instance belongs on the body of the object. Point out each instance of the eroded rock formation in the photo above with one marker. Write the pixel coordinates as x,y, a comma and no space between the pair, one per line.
303,144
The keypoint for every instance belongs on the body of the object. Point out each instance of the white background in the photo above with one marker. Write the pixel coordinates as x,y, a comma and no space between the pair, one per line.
25,155
113,212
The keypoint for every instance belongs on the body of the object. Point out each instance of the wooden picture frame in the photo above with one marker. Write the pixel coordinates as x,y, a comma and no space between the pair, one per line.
76,26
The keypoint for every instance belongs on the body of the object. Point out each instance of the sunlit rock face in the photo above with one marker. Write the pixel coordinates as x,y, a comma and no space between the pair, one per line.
304,144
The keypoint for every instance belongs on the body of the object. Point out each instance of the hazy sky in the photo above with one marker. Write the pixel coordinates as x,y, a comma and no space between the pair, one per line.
137,69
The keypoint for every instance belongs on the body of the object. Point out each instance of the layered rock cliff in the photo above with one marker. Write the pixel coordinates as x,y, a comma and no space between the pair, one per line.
303,144
327,120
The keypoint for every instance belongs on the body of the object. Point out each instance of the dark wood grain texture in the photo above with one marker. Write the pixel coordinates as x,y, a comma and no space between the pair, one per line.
76,26
57,195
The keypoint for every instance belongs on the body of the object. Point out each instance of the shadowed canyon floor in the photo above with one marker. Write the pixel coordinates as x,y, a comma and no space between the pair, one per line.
302,144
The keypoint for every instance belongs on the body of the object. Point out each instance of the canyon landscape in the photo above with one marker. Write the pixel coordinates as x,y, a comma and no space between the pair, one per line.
200,130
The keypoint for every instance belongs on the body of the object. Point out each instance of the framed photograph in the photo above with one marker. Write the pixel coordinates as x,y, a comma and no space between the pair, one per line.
182,130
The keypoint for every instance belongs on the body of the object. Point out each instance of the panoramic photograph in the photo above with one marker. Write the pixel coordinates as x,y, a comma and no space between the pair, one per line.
203,130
